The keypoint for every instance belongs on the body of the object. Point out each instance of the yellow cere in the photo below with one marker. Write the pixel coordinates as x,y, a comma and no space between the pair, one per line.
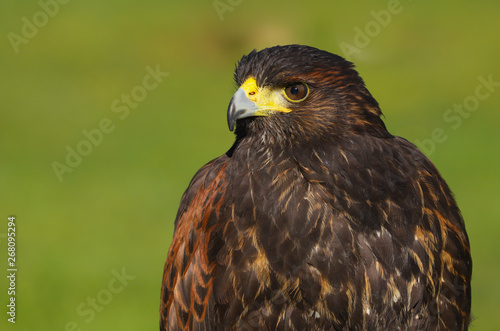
267,99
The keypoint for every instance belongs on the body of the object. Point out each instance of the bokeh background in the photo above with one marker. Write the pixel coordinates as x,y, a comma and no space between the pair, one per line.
67,66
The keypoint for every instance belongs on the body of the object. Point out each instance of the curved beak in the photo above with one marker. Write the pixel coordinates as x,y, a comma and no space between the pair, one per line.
240,106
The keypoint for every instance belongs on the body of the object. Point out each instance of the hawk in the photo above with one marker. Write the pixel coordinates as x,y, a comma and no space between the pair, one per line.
317,218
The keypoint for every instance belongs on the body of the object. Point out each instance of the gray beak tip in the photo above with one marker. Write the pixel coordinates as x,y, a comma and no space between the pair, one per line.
240,106
231,120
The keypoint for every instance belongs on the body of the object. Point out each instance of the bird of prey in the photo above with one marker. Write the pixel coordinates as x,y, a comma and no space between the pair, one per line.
317,218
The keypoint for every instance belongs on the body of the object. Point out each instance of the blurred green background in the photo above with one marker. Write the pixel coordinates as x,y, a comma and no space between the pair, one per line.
66,67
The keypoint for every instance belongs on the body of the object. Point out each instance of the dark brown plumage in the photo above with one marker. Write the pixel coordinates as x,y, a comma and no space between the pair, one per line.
317,218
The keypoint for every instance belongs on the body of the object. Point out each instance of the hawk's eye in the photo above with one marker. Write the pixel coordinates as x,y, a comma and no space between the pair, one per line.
296,92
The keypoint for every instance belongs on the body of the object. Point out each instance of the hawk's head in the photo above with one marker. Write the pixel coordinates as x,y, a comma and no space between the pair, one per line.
300,91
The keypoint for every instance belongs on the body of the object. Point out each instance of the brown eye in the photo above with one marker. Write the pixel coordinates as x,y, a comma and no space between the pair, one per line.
296,92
